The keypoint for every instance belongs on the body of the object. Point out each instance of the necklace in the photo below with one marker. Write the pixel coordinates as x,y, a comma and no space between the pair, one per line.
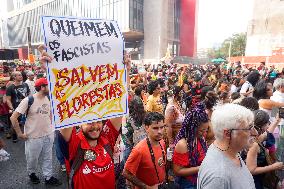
234,159
220,148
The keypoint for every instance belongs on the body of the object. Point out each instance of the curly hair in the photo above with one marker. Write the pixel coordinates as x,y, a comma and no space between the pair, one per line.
253,78
152,86
138,90
210,99
260,90
235,95
261,118
250,103
151,117
136,110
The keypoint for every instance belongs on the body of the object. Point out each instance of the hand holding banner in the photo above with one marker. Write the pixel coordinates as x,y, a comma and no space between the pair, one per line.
87,77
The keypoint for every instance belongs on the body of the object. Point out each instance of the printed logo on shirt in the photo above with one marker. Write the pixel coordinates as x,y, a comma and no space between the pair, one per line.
101,169
95,169
21,91
86,170
105,152
44,109
160,161
106,129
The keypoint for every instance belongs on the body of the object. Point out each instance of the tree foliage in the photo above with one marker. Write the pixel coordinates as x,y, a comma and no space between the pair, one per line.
238,47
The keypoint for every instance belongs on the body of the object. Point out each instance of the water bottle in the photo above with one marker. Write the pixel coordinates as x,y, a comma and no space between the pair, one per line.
170,152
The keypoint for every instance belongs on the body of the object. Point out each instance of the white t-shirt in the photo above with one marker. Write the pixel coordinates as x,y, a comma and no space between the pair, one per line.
278,97
233,89
246,87
31,85
38,123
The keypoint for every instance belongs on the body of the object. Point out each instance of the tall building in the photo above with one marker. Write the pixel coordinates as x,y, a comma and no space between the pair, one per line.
149,27
266,30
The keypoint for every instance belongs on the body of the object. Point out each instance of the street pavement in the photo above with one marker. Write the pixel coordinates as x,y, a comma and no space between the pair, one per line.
13,174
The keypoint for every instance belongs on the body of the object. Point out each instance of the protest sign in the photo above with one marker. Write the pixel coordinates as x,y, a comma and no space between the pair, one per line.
87,77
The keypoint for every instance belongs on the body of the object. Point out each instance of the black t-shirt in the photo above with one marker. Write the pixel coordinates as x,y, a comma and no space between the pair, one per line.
17,93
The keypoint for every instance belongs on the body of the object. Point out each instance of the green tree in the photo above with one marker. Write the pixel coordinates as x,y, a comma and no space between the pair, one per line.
238,47
216,53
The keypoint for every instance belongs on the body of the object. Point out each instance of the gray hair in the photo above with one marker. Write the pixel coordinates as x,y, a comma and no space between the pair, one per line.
278,83
230,116
15,73
30,73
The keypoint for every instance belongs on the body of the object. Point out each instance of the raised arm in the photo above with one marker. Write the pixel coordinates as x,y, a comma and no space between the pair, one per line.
116,122
66,133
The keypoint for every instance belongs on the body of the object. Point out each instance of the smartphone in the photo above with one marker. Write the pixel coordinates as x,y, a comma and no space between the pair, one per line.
281,112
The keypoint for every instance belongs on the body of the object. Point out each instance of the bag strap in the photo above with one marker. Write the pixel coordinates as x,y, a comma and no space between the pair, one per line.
267,155
153,156
108,149
79,158
30,102
76,163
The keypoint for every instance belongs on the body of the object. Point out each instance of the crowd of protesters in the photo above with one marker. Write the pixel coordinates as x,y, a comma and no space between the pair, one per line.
194,126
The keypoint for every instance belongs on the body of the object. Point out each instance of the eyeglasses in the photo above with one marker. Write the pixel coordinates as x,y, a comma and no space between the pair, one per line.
251,127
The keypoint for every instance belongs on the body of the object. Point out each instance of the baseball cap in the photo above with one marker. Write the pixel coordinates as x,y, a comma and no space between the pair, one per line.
41,81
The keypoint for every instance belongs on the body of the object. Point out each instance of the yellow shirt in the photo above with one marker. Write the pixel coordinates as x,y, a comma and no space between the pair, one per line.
154,77
180,79
154,104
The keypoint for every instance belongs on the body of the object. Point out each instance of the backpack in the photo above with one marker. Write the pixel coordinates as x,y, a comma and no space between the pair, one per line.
23,117
30,103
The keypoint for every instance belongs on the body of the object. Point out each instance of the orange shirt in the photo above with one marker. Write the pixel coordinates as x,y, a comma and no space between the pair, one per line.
140,164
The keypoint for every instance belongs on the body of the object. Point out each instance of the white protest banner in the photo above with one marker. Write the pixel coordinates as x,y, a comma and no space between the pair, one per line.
87,77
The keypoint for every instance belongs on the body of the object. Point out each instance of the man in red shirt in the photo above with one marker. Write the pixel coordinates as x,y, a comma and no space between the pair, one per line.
97,167
139,168
93,145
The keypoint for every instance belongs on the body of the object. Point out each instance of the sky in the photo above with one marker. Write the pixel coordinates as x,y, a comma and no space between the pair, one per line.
219,19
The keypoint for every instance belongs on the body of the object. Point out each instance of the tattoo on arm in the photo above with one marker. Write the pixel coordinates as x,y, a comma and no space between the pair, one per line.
132,178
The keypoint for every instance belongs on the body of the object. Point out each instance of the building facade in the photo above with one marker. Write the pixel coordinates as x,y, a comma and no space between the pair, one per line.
265,32
149,27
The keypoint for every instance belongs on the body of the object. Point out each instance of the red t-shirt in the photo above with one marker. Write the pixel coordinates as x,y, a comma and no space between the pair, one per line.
98,174
4,109
183,161
140,164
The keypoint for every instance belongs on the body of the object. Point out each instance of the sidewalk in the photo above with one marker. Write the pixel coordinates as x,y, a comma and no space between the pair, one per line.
13,173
